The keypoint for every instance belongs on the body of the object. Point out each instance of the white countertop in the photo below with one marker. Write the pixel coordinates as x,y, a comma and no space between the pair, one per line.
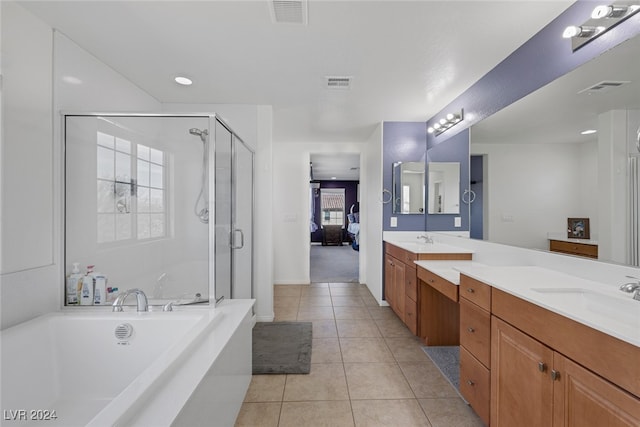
599,306
419,247
448,270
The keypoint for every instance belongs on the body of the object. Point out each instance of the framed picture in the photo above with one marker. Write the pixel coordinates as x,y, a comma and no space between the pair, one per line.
578,228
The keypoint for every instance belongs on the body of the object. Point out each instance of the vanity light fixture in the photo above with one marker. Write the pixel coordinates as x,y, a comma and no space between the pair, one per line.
588,132
610,11
582,31
182,80
602,19
445,123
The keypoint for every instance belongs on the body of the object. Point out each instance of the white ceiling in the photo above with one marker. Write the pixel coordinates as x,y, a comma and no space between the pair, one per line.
343,166
408,59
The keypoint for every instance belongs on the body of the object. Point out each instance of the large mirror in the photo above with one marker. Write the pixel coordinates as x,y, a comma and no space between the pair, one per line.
444,188
408,187
565,151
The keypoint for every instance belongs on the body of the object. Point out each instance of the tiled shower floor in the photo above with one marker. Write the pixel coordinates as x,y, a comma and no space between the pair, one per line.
367,369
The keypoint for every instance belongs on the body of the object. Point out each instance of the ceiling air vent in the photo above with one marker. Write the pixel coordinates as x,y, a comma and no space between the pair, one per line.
338,83
289,11
603,86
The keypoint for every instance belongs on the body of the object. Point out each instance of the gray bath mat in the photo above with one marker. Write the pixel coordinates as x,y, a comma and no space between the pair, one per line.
447,359
282,348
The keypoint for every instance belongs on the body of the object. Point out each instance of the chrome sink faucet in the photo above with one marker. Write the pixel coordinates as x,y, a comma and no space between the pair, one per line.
426,237
141,299
632,287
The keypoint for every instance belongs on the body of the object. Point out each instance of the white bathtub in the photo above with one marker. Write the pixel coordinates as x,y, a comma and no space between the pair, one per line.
72,363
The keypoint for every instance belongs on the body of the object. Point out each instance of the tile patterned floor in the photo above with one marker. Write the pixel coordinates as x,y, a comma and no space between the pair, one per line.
367,369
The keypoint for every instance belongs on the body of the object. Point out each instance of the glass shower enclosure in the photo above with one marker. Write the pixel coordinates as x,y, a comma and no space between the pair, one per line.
159,202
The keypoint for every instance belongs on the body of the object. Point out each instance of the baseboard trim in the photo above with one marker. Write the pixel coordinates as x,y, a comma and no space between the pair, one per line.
292,282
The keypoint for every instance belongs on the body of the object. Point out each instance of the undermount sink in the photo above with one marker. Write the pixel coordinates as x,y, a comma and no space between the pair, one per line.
623,310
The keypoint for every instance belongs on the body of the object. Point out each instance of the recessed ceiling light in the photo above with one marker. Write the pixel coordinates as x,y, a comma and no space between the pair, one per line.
588,132
181,80
72,80
333,177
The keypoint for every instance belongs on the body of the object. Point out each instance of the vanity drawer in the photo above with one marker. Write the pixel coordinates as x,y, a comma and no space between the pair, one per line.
475,331
475,291
574,248
411,285
475,384
402,255
441,285
411,315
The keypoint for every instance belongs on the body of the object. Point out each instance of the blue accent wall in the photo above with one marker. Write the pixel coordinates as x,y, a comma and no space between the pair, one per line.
539,61
454,149
401,142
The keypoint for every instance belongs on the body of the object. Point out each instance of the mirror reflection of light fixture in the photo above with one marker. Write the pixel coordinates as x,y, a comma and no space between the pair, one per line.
610,11
602,19
446,123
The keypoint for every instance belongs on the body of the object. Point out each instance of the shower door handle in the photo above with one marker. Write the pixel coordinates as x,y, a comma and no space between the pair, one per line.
232,240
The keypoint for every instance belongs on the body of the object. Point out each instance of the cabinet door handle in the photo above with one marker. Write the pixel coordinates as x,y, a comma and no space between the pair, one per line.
470,290
471,383
470,329
555,375
431,281
542,366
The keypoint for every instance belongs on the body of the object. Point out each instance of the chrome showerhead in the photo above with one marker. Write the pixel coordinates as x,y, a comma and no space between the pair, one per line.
201,133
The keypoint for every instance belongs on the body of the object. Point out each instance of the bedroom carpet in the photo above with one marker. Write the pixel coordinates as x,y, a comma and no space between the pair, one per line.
334,264
447,359
282,347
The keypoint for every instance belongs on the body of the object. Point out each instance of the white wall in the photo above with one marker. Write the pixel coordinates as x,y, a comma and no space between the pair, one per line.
370,202
615,134
35,62
291,234
28,229
532,189
291,209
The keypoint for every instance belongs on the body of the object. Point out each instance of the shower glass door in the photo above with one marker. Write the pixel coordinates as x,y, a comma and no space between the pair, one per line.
223,219
242,236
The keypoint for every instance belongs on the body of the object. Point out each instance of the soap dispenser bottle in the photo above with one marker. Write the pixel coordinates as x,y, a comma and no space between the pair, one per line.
100,289
73,282
86,295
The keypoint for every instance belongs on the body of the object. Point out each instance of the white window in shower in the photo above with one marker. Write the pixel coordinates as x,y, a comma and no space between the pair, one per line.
150,193
130,190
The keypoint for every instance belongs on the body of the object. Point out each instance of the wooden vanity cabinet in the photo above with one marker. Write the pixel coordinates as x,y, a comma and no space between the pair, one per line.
402,288
394,289
549,389
475,345
548,370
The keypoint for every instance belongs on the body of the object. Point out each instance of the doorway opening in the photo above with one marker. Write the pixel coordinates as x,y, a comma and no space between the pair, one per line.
334,205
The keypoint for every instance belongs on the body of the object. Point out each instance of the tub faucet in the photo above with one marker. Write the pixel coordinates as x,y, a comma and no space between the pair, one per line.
426,237
141,299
